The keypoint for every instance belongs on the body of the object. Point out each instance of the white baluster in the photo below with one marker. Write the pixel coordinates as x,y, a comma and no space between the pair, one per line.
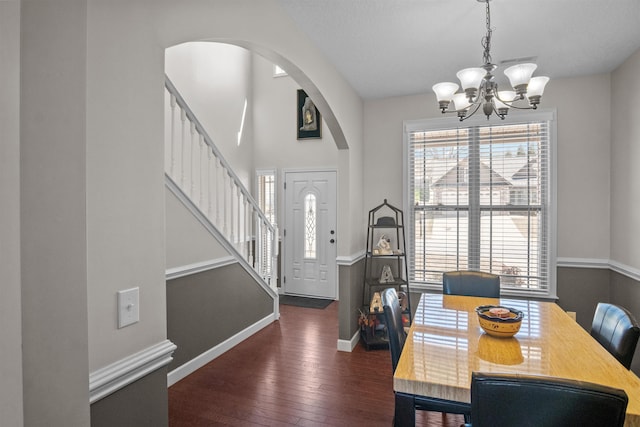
201,156
183,117
218,164
210,189
225,204
239,216
247,232
173,136
192,186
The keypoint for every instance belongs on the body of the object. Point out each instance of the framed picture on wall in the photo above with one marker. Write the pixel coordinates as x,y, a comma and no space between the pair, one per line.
309,119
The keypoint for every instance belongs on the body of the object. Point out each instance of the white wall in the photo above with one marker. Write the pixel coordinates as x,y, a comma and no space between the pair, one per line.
188,242
125,182
625,158
10,301
54,228
215,80
583,157
583,164
274,122
275,113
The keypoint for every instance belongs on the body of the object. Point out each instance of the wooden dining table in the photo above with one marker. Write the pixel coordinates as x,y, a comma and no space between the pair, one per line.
445,344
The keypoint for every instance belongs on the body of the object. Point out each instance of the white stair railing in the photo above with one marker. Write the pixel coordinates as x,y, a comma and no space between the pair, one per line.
196,166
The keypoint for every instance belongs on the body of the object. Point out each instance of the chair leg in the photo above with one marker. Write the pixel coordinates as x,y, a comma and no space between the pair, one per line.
405,412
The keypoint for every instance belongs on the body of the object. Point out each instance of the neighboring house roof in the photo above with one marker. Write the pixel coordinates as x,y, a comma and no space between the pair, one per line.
505,170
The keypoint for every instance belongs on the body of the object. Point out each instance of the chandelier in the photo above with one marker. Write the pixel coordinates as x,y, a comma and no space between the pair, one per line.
480,89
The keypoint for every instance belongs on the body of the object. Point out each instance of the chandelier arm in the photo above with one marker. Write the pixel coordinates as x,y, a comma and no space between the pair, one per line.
472,113
497,113
511,105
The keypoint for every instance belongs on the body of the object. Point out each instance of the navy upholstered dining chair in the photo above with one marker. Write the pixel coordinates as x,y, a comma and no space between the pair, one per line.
510,400
616,329
397,337
471,283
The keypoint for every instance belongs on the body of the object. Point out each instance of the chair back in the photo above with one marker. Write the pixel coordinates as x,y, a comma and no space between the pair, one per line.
616,329
471,283
393,321
509,400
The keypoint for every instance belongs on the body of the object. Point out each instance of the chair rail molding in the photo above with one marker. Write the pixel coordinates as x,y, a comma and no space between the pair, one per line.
123,372
618,267
198,267
350,259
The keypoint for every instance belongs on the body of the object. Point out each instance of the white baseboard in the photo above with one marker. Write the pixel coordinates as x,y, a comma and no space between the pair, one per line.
123,372
206,357
349,345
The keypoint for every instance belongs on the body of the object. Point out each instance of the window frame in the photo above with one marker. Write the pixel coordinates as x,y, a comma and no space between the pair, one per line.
434,124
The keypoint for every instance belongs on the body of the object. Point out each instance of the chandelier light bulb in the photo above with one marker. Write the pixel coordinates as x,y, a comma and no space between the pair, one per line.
444,93
460,101
519,76
536,86
506,96
470,78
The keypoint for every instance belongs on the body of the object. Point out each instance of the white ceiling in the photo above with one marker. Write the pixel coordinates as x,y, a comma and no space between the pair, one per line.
399,47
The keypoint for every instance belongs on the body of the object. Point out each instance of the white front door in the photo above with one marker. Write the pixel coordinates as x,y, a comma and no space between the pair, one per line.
310,234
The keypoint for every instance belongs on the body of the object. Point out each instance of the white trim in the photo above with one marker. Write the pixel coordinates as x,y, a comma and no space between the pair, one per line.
206,357
583,263
625,270
198,267
548,114
618,267
350,259
123,372
349,345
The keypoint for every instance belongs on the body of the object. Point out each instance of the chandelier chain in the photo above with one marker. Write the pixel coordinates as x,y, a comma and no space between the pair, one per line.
486,40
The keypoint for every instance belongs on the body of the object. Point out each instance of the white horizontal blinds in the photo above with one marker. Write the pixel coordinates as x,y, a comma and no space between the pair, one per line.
480,197
514,175
438,160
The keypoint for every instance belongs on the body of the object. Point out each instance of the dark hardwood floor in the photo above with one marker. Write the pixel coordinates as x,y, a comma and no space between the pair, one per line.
290,373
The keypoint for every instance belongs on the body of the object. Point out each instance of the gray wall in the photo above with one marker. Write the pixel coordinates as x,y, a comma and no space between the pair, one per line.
581,289
350,294
10,300
135,405
207,308
626,292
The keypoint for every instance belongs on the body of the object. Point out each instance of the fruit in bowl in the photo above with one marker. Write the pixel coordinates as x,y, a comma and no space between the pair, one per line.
498,321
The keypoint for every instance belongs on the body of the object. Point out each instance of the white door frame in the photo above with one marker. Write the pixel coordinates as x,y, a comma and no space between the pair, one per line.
282,206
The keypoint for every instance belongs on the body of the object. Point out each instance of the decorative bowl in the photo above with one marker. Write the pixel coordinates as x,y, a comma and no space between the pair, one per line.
498,321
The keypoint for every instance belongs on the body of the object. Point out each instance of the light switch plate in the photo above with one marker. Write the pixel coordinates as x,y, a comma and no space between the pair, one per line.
128,307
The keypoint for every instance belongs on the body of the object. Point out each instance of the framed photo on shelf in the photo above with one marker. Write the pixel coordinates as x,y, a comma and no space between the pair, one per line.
309,119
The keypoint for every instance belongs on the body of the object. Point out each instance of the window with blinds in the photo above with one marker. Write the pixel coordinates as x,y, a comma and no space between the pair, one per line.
479,199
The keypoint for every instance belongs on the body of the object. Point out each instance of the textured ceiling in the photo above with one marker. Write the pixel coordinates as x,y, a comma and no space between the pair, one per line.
398,47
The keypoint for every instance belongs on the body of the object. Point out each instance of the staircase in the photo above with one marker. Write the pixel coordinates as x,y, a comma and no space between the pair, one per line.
200,177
